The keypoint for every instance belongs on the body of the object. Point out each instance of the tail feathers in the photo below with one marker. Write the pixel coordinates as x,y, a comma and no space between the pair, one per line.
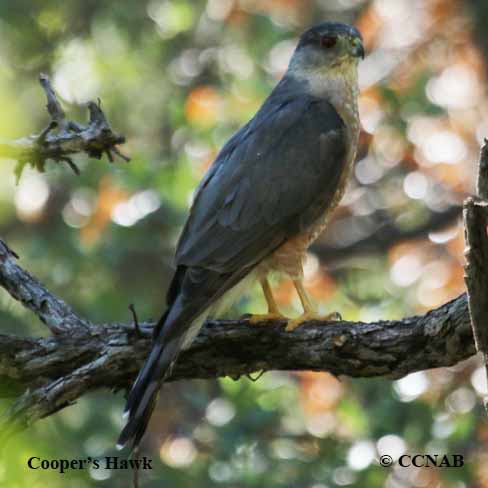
174,332
147,371
145,392
157,330
135,428
143,379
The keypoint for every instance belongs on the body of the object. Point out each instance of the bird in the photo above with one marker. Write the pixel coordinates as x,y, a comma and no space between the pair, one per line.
266,197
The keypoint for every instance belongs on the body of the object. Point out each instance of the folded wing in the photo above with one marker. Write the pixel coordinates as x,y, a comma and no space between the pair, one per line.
269,182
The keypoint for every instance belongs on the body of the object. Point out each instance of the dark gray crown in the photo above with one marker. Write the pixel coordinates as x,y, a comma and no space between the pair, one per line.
313,35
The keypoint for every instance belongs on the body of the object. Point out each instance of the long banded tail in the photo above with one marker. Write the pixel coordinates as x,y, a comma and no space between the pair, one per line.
145,392
144,395
191,295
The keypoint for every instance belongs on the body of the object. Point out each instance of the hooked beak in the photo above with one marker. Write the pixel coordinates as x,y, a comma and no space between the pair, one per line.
357,48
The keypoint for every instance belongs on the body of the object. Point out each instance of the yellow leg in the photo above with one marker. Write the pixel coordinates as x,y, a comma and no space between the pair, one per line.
309,312
302,293
273,311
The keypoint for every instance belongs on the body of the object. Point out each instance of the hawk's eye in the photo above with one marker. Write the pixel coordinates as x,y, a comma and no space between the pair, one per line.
328,41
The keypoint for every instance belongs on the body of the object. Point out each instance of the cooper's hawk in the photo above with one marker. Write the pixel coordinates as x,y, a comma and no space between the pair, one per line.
267,196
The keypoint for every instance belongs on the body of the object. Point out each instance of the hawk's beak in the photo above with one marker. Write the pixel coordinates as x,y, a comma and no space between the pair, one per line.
357,48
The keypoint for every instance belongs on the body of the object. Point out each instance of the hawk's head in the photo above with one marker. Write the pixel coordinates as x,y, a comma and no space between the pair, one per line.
328,45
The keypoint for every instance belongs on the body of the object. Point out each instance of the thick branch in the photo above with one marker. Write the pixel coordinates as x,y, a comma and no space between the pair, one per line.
63,138
393,349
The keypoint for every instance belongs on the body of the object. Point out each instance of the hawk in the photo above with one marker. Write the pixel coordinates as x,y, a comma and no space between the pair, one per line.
266,197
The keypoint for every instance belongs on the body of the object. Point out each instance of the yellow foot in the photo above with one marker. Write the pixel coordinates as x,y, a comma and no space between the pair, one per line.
265,317
308,316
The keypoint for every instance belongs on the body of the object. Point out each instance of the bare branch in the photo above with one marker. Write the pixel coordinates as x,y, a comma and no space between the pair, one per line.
53,106
63,137
52,311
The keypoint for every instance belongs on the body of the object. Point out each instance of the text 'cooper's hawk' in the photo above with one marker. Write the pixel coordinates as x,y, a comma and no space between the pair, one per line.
266,197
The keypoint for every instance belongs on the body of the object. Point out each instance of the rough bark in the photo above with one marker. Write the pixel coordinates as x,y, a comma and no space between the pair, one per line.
52,311
476,270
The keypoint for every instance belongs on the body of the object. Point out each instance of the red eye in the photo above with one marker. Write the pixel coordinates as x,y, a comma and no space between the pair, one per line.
328,41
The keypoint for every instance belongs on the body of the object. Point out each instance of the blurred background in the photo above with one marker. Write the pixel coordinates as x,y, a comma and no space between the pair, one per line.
178,77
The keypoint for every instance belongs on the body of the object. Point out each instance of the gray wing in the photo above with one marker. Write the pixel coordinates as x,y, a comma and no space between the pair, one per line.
270,181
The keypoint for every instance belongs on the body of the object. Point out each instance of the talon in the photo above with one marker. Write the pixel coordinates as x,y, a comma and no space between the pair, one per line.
293,324
334,316
258,319
309,316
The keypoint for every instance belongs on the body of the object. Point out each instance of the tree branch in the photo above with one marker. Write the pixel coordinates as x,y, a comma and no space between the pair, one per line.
476,269
52,311
54,372
94,139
